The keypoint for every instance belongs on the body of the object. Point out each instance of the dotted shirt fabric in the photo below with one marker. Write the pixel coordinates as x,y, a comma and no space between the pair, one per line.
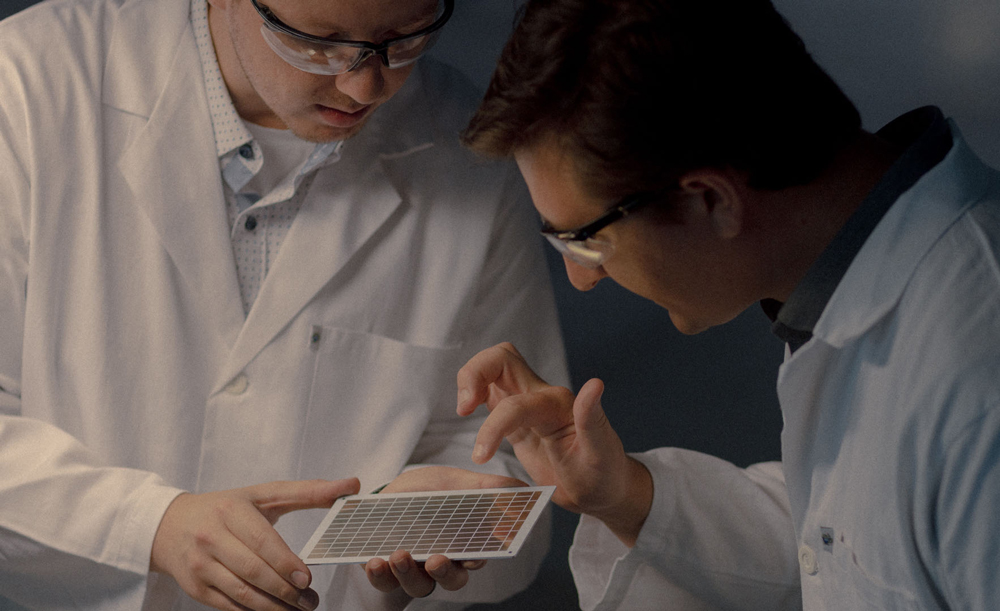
261,203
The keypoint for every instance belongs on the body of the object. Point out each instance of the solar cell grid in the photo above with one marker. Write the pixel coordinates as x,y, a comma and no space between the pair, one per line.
464,524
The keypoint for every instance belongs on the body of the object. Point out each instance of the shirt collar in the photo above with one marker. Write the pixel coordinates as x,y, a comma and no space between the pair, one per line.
230,132
928,139
234,144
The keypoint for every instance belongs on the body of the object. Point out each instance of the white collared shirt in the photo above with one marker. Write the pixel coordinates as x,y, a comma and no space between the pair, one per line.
266,172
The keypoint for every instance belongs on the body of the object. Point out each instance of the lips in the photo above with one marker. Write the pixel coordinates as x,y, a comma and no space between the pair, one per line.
340,118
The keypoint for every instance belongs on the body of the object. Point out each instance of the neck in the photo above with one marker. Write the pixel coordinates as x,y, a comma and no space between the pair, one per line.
245,98
802,221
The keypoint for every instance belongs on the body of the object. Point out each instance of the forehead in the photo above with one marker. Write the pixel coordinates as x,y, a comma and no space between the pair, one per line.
350,16
555,187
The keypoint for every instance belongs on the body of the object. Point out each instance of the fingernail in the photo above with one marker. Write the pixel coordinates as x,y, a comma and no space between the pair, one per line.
479,453
300,580
308,603
401,566
376,567
463,396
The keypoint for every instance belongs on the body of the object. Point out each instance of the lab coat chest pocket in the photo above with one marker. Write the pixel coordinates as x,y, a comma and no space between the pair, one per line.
370,400
849,584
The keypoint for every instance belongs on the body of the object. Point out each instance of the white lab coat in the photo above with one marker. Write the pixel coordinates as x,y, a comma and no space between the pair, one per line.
887,497
128,370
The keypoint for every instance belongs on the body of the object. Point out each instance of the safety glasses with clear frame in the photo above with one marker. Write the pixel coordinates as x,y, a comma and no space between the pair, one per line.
330,57
581,247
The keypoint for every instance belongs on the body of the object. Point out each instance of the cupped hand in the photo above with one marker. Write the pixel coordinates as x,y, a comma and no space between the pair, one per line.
222,549
420,579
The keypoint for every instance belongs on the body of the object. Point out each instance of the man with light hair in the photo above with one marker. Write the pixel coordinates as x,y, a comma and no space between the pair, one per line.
240,243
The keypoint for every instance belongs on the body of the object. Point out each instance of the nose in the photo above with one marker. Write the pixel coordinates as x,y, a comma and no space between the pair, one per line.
583,278
365,83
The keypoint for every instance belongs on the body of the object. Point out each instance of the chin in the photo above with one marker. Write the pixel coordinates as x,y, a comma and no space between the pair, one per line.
689,326
320,133
693,326
313,131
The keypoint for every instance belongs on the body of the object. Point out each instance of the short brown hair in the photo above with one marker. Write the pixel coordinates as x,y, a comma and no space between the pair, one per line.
640,91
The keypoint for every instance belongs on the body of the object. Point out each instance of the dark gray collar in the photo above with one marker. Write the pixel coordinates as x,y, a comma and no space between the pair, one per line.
925,134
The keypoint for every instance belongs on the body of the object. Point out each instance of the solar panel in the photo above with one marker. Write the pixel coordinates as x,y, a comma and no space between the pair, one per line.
461,524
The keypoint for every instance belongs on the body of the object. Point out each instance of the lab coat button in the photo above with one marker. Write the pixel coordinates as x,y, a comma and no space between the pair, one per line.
238,386
807,560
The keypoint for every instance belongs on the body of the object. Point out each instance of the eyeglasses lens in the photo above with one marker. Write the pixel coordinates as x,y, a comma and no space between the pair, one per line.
588,253
331,58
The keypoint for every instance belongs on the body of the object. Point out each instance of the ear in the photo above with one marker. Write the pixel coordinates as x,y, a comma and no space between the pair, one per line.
721,193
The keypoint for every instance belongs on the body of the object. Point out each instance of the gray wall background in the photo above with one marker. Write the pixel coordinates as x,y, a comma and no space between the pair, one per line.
714,392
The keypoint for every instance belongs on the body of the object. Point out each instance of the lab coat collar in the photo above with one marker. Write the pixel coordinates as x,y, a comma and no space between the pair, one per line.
144,42
154,72
321,242
876,279
170,164
324,238
927,139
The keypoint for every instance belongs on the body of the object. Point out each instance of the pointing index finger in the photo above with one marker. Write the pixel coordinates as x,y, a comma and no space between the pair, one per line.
273,500
542,414
500,366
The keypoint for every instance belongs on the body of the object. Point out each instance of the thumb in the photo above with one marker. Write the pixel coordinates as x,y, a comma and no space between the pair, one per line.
275,499
588,415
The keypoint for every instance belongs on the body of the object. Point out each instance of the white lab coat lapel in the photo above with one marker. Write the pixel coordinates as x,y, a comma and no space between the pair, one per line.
323,238
180,197
326,234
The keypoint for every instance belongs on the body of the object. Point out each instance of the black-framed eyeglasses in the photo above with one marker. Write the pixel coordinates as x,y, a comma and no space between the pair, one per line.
580,246
330,57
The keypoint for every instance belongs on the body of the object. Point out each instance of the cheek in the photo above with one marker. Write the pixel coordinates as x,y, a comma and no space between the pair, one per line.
279,75
634,275
663,279
270,75
287,89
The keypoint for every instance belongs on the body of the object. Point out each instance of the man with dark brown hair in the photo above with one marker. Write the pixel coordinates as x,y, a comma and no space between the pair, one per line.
694,153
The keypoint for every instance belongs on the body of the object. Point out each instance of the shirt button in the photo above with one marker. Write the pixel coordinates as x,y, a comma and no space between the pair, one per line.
238,386
807,560
246,151
251,223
